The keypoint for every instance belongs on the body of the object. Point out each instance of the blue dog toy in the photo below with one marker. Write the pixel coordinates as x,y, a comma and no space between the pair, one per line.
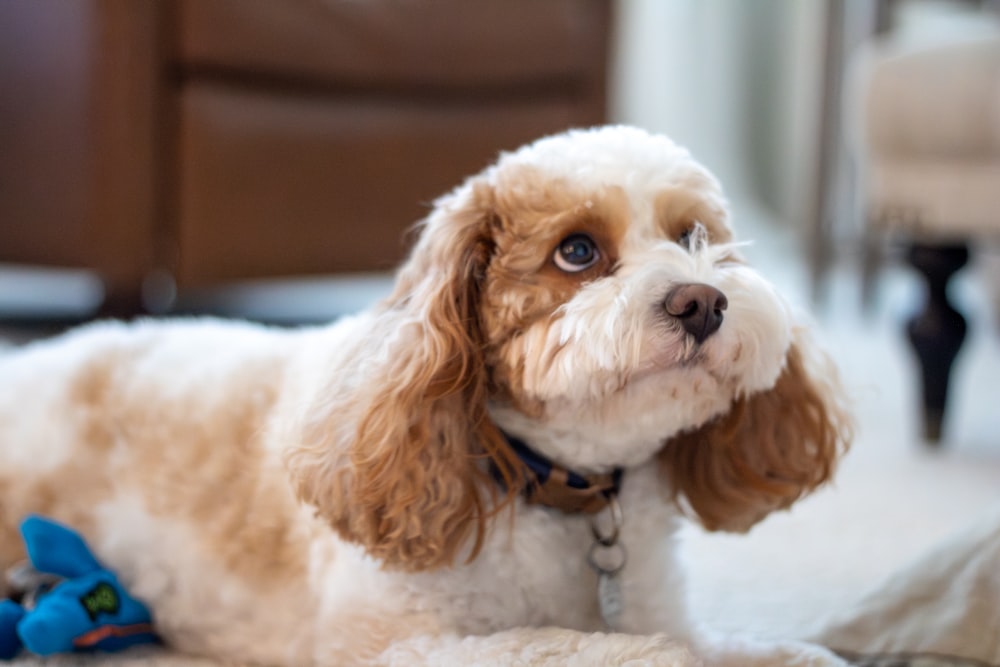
82,607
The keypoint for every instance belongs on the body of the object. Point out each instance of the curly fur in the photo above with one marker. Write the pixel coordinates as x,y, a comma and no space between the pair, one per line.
414,490
769,450
329,496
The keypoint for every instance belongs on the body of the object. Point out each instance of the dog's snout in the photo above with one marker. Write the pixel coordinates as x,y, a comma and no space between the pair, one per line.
698,307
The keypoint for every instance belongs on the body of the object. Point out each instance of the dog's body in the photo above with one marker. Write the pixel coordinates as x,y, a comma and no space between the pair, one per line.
207,462
196,513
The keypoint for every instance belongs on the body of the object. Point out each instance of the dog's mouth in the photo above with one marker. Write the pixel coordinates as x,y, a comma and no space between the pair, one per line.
658,370
677,352
683,358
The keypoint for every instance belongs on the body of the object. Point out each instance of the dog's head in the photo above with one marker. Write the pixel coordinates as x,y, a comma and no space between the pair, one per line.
584,294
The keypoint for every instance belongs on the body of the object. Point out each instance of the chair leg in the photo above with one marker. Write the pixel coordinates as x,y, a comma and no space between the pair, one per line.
937,331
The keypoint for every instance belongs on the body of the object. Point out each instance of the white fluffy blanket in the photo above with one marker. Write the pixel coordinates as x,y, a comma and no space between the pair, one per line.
944,610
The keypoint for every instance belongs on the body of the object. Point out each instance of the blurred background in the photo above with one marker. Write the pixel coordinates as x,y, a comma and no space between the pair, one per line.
265,159
173,146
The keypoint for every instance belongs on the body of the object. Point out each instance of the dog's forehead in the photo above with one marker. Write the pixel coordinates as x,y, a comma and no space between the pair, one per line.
654,179
617,154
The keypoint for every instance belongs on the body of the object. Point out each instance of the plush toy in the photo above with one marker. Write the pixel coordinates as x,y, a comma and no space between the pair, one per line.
68,601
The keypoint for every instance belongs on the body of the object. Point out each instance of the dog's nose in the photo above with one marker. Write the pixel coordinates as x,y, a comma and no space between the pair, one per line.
698,307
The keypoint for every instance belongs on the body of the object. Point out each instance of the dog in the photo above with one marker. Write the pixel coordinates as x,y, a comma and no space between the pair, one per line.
486,467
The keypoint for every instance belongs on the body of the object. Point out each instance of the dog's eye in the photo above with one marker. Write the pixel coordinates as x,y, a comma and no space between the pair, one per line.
693,237
576,253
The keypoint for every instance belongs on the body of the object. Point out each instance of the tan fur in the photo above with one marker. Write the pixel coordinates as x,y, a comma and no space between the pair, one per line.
679,208
414,492
769,450
78,480
522,285
179,452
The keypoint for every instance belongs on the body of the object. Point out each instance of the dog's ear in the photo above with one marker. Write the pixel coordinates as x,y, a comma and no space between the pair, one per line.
770,449
408,475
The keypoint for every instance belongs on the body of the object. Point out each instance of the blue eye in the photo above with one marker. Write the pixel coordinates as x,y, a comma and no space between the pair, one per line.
576,253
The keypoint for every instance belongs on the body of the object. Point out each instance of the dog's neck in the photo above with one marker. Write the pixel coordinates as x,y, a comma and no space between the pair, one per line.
549,484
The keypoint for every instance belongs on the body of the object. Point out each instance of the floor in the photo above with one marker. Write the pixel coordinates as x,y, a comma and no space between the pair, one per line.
894,496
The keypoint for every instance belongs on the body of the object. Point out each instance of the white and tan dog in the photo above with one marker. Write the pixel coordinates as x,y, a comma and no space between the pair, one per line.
574,356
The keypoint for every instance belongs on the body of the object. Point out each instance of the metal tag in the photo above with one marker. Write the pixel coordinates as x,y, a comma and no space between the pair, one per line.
609,595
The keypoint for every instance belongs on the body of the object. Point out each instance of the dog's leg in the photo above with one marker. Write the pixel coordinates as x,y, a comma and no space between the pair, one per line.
539,647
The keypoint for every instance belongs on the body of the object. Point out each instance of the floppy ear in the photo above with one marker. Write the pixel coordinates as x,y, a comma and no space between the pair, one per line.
770,449
409,478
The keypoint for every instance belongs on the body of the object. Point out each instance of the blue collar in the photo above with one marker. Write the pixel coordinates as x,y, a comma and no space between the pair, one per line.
554,486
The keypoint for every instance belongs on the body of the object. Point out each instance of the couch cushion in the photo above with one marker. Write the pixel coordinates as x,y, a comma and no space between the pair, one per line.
396,43
276,185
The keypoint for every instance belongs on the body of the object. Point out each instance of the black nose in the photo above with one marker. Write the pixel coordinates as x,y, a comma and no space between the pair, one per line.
698,307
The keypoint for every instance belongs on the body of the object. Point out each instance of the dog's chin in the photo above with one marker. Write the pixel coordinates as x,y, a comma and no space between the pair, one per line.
667,364
590,416
675,390
627,426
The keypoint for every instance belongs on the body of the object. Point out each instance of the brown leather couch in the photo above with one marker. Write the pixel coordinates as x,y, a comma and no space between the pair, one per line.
219,140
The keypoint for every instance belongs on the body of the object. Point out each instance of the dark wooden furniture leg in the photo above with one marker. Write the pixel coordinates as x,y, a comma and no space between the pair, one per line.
122,303
936,332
